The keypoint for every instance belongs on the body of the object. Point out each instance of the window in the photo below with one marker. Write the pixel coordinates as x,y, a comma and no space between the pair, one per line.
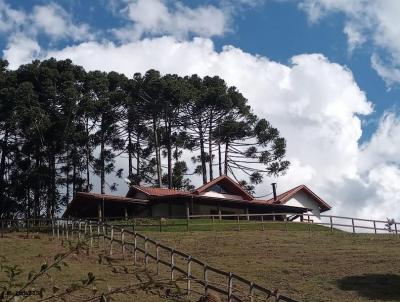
218,189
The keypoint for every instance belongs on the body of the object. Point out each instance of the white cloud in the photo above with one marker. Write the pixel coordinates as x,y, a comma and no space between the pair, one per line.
53,20
20,49
374,21
156,18
315,103
10,18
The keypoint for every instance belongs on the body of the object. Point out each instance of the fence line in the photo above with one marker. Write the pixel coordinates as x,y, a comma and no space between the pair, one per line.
230,289
234,287
323,220
350,224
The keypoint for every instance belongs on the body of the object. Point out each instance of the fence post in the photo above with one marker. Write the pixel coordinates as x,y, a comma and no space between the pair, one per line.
230,286
91,235
145,253
111,240
375,226
58,229
53,228
104,237
172,265
189,274
262,222
134,248
286,224
352,223
205,277
395,227
123,243
251,292
98,234
213,226
238,222
330,219
157,259
160,224
66,228
27,228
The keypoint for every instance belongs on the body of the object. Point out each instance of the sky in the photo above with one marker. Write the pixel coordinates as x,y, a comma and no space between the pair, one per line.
326,73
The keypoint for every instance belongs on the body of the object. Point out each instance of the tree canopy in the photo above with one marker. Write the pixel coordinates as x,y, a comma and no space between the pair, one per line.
61,127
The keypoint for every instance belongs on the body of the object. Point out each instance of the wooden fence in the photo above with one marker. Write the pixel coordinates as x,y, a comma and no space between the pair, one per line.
349,224
180,265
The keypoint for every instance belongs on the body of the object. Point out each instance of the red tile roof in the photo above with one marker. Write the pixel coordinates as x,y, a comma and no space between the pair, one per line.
281,198
227,181
284,197
160,191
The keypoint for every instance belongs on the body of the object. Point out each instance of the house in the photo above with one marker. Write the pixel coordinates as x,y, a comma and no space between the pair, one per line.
217,197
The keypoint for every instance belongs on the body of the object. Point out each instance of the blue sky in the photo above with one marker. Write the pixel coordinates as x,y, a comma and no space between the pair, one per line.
325,72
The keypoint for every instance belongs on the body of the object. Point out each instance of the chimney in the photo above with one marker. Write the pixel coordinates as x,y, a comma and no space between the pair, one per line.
274,190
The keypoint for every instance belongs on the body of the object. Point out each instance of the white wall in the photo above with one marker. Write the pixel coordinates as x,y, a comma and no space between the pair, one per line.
301,199
220,195
202,209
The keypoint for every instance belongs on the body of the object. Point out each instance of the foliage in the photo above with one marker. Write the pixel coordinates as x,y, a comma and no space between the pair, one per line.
61,126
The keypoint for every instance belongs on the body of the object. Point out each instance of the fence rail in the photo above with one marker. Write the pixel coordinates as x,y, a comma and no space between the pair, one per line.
192,270
232,221
351,224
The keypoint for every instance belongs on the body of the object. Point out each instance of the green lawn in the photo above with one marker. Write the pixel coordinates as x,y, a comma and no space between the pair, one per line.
307,267
181,225
27,255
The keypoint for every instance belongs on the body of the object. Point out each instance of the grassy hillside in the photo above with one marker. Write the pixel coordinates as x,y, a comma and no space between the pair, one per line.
320,267
112,274
307,267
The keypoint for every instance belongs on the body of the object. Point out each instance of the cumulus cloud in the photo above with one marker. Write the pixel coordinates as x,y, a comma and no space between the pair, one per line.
10,18
53,20
374,21
156,18
21,49
315,103
23,28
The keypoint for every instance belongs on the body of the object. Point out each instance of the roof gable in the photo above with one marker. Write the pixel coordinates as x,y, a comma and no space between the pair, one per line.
155,192
286,196
231,187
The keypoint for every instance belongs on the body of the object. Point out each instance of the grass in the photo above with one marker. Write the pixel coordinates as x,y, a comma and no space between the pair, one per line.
307,266
180,225
316,267
112,273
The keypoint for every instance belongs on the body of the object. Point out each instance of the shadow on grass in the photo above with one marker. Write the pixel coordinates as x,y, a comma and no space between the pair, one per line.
373,286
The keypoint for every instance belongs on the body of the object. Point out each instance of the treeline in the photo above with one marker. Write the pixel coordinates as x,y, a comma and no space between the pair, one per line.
61,126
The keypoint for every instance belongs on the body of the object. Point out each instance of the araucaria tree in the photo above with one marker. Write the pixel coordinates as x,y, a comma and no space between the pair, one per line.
62,129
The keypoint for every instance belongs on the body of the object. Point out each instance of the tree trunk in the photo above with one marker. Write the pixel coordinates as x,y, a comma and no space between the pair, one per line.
87,157
67,179
169,156
51,190
210,149
226,159
36,191
158,157
202,155
130,168
73,179
138,158
4,151
102,166
219,159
